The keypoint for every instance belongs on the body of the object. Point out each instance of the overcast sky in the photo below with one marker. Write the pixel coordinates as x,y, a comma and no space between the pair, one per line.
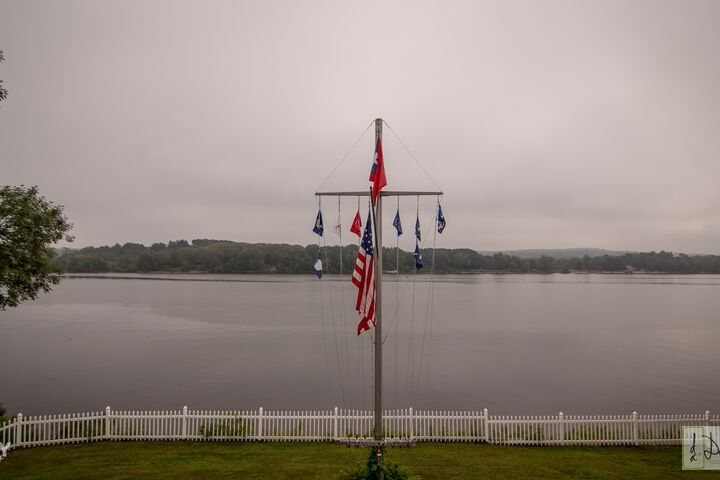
547,124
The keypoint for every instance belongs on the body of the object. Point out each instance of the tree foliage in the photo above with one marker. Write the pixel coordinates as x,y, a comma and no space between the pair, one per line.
222,256
29,227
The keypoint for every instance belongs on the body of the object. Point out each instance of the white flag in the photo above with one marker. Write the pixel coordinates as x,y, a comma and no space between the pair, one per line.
337,228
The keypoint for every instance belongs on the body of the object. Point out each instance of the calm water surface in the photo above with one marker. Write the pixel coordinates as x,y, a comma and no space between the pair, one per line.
522,344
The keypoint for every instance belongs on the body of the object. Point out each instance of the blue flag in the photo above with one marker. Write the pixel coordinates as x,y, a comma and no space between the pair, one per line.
418,256
318,228
317,266
417,227
440,220
397,224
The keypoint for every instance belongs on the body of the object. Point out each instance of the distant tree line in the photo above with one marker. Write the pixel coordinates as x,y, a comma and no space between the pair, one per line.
220,256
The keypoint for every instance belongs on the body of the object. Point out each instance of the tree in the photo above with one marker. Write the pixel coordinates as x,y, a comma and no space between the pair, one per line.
29,227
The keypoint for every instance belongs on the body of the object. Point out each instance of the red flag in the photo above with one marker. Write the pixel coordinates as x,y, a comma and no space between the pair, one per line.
356,224
364,279
377,172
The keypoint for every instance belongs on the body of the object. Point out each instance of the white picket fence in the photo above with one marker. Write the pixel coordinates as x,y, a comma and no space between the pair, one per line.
343,425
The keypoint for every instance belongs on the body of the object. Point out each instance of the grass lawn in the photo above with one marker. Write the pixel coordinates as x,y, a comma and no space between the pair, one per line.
165,460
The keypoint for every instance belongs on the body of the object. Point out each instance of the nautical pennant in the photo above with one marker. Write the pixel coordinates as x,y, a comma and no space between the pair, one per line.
440,220
337,229
318,228
356,224
364,279
397,224
417,227
317,266
418,256
377,172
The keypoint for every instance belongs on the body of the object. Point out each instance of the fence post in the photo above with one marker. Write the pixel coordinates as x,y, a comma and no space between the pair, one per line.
412,424
486,426
18,430
260,424
184,422
561,428
107,423
635,429
707,417
335,424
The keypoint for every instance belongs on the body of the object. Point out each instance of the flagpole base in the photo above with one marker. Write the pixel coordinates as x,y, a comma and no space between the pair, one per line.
367,442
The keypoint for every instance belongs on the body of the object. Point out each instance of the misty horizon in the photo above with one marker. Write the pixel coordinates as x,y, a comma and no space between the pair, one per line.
390,245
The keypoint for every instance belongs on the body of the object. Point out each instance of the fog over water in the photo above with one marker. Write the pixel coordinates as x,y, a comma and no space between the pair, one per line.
516,344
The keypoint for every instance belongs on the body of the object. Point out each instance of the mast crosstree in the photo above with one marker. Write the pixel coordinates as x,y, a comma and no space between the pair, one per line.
379,440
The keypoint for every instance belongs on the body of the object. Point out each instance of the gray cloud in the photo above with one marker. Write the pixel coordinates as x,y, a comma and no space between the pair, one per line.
547,124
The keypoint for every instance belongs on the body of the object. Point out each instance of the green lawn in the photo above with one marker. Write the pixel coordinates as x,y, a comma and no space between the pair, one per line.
165,460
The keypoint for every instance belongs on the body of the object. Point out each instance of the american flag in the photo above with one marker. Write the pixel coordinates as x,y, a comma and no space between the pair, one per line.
364,278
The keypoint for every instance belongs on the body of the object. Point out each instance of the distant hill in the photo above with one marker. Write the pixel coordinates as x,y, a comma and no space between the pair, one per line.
222,256
559,252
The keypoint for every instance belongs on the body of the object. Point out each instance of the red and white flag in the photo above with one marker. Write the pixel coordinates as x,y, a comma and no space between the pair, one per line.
364,279
356,226
377,172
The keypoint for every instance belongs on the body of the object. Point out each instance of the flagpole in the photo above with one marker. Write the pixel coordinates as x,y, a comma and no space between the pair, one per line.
376,211
378,313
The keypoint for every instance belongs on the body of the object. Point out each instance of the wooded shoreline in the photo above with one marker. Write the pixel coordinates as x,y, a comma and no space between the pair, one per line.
220,256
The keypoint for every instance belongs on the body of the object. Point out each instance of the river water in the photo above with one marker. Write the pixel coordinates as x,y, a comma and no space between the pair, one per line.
515,344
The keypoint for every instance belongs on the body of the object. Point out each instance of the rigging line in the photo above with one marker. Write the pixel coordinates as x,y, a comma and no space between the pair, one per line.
428,314
345,156
395,369
362,371
343,326
371,392
334,323
416,380
432,297
396,311
397,304
430,226
425,329
411,365
402,295
410,343
338,224
322,320
412,155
